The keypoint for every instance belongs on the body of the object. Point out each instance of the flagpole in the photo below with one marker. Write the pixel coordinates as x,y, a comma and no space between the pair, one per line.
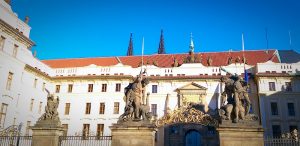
244,60
243,48
142,55
290,39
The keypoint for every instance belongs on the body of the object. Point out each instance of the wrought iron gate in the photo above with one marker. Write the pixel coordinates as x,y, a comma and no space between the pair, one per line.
85,140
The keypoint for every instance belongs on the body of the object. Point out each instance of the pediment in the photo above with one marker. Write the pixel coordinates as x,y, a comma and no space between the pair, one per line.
192,86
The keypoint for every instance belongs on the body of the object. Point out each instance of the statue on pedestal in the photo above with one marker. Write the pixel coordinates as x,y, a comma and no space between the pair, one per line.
236,95
135,108
50,117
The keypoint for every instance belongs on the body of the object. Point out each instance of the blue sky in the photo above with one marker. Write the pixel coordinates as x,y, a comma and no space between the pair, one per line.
96,28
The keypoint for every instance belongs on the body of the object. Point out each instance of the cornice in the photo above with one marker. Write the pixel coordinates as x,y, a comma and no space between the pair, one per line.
19,36
37,71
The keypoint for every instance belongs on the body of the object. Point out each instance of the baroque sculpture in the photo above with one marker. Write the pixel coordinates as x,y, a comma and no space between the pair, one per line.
135,108
235,102
50,117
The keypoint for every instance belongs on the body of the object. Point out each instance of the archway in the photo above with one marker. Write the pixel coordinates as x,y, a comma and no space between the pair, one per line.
193,138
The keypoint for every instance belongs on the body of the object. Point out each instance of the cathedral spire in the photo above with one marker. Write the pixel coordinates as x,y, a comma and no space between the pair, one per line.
130,46
161,47
192,44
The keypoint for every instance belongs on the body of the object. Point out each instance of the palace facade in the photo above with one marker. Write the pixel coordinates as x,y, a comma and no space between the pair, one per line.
91,90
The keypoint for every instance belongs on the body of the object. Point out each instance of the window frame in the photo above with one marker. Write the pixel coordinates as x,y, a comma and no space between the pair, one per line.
57,88
274,111
100,130
154,109
90,88
118,87
88,107
15,51
102,108
70,88
276,130
116,108
67,108
9,81
272,86
2,42
291,112
154,88
104,88
3,113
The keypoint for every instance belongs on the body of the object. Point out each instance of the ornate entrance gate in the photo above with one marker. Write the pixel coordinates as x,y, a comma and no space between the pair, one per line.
188,125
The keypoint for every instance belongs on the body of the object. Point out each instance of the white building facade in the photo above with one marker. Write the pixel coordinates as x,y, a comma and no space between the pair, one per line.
91,90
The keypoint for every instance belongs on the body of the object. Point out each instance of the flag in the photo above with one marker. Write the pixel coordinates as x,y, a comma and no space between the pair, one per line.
246,77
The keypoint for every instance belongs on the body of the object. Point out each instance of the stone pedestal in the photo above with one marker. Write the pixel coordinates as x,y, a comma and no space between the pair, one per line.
135,135
46,134
240,134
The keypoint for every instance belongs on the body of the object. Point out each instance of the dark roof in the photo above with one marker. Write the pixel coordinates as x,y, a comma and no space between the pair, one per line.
289,56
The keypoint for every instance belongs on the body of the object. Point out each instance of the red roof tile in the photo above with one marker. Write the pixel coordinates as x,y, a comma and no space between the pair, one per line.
80,62
167,60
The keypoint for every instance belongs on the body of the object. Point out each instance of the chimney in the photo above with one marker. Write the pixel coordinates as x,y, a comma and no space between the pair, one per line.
8,1
34,54
26,19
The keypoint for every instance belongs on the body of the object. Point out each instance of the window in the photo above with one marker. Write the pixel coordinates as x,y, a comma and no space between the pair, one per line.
288,86
35,83
154,109
9,80
274,108
291,109
90,88
104,87
3,114
118,87
65,127
102,108
272,86
154,88
40,107
57,88
116,107
70,88
15,51
276,130
31,105
100,129
293,127
67,108
14,122
27,128
44,86
86,130
2,40
88,108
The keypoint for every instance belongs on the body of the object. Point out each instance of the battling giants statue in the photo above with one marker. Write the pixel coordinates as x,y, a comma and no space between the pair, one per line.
50,117
135,108
237,98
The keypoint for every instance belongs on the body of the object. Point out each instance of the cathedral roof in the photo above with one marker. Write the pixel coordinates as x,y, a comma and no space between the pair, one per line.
167,60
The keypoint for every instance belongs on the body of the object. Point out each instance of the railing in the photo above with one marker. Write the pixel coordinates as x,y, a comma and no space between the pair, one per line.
15,140
281,142
85,140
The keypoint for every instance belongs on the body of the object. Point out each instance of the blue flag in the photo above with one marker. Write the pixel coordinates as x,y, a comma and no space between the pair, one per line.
246,78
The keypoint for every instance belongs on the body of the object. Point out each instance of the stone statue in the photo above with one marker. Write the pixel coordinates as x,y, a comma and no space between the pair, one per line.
135,108
51,108
236,96
209,61
291,135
